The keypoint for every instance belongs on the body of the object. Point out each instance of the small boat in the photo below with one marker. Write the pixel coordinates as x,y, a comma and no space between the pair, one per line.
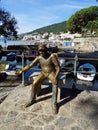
61,61
86,72
90,57
3,67
12,68
11,56
67,66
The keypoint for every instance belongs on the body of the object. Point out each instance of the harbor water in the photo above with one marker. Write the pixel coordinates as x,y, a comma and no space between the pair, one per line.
73,83
9,42
71,80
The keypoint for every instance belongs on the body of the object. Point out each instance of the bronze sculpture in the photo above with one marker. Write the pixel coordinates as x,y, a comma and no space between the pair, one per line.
50,69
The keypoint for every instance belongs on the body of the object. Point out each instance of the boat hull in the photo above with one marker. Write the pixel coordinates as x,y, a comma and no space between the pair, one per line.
86,72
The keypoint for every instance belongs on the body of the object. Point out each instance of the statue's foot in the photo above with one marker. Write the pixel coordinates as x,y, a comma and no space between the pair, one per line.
29,103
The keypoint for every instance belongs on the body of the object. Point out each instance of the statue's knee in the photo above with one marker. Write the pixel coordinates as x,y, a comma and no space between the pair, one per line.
54,82
35,84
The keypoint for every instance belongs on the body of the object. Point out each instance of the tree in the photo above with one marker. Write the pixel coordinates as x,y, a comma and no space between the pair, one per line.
92,26
8,24
81,18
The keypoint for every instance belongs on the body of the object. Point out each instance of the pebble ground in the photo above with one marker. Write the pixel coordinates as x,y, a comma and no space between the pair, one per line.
77,110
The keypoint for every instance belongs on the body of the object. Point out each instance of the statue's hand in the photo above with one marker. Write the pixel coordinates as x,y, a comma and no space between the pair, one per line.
19,72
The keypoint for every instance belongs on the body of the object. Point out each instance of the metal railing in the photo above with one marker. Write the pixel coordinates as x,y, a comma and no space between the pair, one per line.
76,59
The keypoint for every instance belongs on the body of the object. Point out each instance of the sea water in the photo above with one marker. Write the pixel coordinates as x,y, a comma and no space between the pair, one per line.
18,42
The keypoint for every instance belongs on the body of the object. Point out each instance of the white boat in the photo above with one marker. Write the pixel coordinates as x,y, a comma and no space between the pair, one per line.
86,72
11,68
3,67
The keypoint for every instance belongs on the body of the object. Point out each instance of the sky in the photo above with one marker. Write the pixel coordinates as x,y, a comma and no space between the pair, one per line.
34,14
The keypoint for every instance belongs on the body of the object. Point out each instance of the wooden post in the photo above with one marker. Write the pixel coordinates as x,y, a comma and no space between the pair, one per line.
23,82
75,64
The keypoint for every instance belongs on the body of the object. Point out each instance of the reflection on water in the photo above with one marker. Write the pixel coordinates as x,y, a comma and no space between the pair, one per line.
72,81
93,86
84,83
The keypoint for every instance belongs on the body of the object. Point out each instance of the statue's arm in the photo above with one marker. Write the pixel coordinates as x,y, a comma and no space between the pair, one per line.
24,69
56,63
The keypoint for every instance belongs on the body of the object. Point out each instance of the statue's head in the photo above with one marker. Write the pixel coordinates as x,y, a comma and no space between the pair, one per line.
42,47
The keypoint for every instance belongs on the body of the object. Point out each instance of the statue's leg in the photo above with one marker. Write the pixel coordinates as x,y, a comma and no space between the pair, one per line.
32,96
54,98
36,83
38,90
54,92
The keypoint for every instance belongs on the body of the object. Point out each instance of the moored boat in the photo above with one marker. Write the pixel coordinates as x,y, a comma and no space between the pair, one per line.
67,66
3,67
11,56
86,72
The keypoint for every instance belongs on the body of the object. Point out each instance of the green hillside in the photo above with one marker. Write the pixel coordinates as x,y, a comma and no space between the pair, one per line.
55,28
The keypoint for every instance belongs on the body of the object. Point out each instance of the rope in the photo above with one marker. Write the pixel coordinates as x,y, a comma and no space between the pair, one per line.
66,71
81,58
87,72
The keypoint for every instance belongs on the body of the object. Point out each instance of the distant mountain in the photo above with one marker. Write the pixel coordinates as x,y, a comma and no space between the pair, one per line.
55,28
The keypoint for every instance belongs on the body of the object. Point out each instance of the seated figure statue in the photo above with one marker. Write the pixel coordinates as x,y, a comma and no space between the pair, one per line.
50,69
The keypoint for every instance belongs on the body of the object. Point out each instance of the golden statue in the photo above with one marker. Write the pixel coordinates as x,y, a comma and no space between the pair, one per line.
50,69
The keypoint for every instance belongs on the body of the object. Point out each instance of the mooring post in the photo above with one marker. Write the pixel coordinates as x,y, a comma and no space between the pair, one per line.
75,64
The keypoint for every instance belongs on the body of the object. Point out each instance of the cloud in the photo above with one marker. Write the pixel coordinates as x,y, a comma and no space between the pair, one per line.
27,26
25,23
32,14
31,21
